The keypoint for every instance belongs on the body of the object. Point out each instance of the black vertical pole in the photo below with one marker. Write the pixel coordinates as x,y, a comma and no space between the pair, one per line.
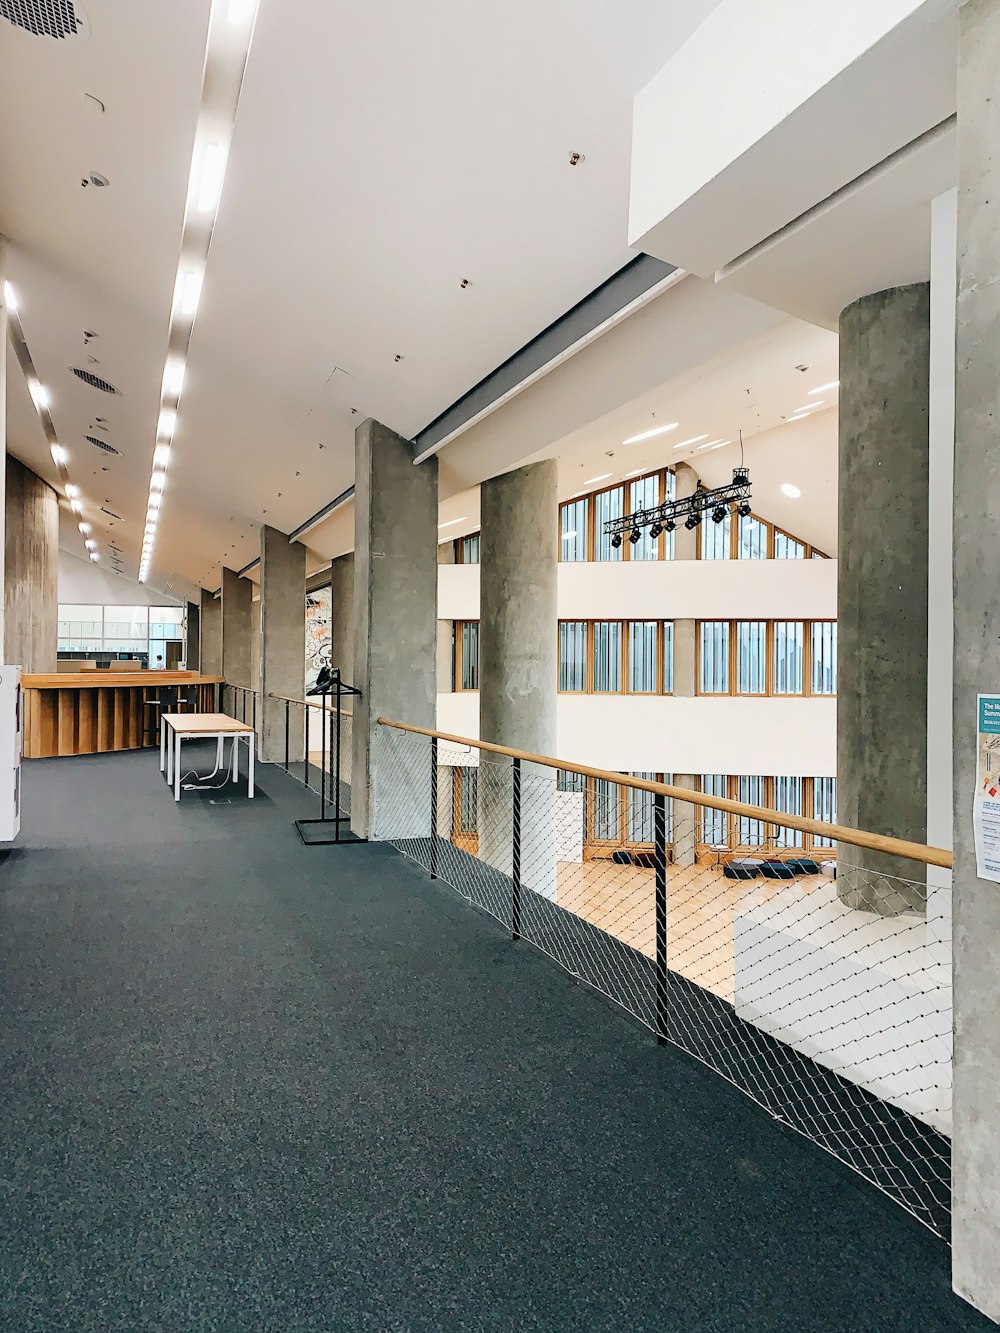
336,677
253,711
286,735
333,799
305,778
434,807
515,904
322,775
660,861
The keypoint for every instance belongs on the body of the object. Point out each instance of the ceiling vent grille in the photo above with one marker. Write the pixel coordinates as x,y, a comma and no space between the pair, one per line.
102,444
45,18
89,377
111,514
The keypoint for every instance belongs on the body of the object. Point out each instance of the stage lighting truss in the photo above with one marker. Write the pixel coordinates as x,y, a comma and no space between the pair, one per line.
689,510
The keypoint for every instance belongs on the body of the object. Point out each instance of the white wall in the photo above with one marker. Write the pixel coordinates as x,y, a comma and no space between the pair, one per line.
84,582
628,733
670,589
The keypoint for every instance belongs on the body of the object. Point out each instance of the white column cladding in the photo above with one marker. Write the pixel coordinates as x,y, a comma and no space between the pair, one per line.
517,668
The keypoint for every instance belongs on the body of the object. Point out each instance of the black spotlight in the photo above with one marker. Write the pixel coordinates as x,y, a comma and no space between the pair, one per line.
634,535
744,509
691,522
718,514
616,540
670,525
655,530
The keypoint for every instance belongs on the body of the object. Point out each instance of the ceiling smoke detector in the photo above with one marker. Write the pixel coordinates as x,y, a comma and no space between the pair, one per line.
60,19
95,381
92,177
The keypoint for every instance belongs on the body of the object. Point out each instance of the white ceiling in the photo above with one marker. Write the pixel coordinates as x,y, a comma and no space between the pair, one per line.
382,153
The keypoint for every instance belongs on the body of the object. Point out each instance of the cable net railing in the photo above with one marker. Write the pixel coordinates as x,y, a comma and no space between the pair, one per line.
811,979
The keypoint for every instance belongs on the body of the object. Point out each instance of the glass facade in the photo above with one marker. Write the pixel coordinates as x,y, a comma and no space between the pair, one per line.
138,631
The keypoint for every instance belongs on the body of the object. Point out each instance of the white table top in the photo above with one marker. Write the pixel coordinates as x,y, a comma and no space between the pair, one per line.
205,724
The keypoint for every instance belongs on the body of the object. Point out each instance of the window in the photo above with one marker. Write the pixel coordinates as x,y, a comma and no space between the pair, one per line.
716,538
165,622
750,832
824,657
605,797
824,806
133,631
644,493
751,542
573,655
788,799
469,549
668,657
566,781
607,505
714,823
467,655
574,520
788,548
713,654
468,789
669,493
639,820
751,657
642,656
127,622
607,656
789,638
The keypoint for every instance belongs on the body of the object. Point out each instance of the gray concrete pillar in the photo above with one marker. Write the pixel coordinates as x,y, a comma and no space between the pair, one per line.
882,590
395,610
210,646
237,595
518,634
192,636
342,615
976,961
30,570
255,610
282,643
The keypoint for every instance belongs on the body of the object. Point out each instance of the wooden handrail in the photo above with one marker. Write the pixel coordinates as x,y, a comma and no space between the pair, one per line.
311,703
874,842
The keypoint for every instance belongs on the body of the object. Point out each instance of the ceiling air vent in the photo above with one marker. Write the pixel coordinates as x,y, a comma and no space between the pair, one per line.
111,514
88,377
45,18
102,444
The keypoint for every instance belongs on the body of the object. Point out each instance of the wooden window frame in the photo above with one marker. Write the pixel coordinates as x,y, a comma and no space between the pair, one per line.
705,853
456,648
625,659
591,536
770,670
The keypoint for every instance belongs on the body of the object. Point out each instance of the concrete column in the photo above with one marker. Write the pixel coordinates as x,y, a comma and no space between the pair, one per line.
210,634
395,609
342,615
518,665
31,570
976,1134
255,610
192,636
237,595
282,642
882,589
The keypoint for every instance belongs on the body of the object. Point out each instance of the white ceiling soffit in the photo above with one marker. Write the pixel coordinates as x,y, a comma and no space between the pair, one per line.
781,124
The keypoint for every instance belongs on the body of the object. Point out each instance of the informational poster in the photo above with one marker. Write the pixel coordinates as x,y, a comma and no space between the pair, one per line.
986,802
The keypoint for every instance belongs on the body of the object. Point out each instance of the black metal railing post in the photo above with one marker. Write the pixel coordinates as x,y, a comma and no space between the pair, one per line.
322,771
306,711
515,902
286,734
434,807
336,762
253,710
660,862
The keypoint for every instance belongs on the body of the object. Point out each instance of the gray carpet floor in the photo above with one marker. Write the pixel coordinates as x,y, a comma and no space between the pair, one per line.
250,1085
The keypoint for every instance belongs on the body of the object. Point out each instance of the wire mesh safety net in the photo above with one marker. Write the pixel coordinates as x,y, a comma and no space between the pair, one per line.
819,987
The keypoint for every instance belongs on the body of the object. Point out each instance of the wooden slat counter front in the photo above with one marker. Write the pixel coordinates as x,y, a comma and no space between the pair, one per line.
88,712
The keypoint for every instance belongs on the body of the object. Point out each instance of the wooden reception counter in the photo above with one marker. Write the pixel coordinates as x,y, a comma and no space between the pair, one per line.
88,712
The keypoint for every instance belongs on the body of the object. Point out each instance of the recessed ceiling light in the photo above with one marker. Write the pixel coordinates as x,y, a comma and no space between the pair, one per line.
40,395
173,378
156,481
190,292
822,388
90,544
60,455
211,176
9,299
76,506
94,556
155,500
452,521
693,440
161,455
166,424
648,434
799,416
808,407
719,444
603,477
791,491
85,528
239,10
634,473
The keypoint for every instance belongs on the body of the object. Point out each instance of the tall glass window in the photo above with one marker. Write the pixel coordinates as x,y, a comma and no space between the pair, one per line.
644,493
573,520
668,657
714,823
788,548
573,655
80,628
788,799
789,638
750,832
713,676
639,827
605,823
468,786
165,622
751,539
751,657
642,663
715,539
468,675
670,494
607,656
470,549
607,505
824,657
824,806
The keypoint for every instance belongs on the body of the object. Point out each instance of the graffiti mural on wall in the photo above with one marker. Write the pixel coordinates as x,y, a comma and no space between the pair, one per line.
317,634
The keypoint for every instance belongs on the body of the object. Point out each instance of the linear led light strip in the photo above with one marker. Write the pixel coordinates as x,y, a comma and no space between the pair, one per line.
40,397
230,29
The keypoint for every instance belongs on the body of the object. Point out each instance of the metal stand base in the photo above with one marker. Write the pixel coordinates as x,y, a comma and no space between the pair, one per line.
325,832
